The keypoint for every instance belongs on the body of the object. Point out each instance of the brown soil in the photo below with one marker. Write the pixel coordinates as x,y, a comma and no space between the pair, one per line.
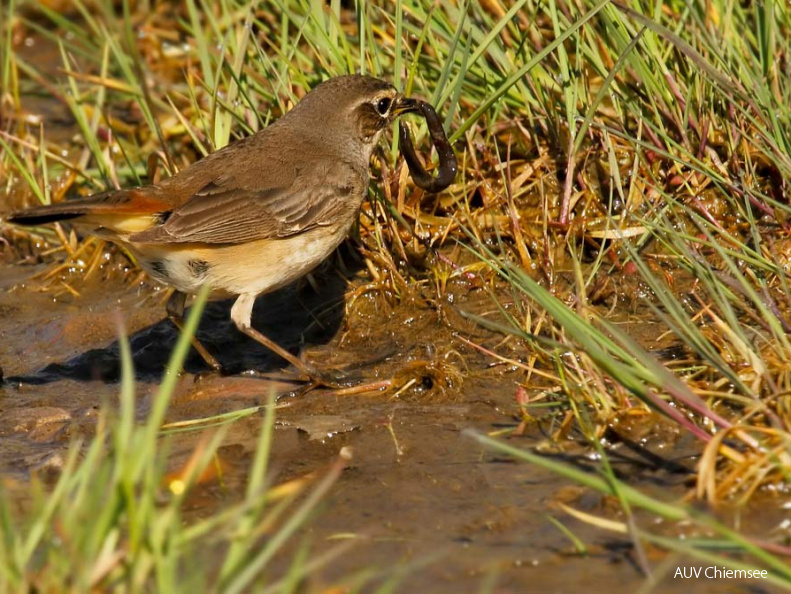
418,489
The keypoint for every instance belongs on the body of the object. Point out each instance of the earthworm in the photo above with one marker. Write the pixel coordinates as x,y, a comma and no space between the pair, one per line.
447,159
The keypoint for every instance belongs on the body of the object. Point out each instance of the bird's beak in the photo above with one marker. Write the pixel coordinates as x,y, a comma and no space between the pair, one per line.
405,105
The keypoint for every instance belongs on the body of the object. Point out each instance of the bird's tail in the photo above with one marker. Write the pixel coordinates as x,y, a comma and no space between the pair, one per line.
41,215
64,211
124,208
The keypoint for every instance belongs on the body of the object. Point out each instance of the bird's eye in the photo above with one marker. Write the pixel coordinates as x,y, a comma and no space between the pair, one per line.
383,105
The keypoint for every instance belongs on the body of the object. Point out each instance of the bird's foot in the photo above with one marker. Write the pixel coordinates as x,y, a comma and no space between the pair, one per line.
342,383
209,374
327,378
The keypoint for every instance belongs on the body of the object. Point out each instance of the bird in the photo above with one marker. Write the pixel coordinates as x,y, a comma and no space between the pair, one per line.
256,215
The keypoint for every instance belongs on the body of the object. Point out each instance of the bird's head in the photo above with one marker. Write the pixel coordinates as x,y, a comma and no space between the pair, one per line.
354,108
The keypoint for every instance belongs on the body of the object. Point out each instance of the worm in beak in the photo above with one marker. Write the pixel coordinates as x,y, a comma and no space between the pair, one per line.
446,171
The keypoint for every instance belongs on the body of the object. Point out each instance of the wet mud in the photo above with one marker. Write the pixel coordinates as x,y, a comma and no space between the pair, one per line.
418,489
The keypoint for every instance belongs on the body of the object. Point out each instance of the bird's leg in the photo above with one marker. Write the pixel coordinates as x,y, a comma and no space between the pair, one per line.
175,308
241,314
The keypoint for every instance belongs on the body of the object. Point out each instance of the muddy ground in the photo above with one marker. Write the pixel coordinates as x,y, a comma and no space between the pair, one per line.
418,489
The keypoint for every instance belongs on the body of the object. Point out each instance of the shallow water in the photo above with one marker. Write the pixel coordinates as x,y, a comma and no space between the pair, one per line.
417,488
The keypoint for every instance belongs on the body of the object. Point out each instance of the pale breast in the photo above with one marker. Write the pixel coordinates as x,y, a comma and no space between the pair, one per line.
255,267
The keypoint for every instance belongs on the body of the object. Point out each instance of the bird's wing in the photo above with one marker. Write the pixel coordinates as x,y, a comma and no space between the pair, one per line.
223,213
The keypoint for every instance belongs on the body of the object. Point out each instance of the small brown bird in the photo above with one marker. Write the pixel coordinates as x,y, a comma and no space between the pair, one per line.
257,214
